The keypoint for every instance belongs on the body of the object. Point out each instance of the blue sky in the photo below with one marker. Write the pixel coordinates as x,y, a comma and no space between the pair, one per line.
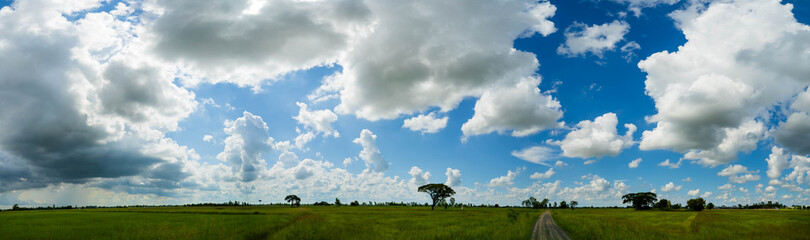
127,102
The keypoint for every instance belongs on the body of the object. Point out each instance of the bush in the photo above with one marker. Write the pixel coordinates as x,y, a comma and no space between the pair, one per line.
512,214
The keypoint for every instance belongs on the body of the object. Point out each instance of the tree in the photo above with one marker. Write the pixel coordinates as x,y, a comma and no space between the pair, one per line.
663,204
293,200
337,202
574,204
641,200
531,203
355,203
544,203
437,192
696,204
452,201
710,206
563,204
15,207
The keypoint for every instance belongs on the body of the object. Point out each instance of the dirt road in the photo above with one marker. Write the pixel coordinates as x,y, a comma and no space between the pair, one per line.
545,228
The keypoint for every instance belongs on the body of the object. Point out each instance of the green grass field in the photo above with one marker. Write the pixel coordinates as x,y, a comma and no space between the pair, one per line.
710,224
306,222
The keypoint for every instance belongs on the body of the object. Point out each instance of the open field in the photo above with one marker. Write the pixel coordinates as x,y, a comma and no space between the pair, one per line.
266,222
709,224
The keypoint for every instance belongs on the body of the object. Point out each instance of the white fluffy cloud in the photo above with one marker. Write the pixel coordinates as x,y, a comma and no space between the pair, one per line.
371,152
247,141
425,123
738,174
319,121
504,181
595,39
453,177
777,161
550,172
694,192
667,163
454,49
634,163
536,154
419,177
208,138
740,59
670,187
596,139
521,109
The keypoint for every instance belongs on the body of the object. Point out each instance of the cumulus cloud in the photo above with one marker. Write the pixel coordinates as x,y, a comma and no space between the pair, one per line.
670,187
595,39
793,132
521,109
425,123
419,177
536,154
409,65
75,108
667,163
371,152
596,139
453,177
319,121
694,192
736,64
777,162
244,43
560,164
506,180
738,174
247,140
208,138
550,172
726,186
634,163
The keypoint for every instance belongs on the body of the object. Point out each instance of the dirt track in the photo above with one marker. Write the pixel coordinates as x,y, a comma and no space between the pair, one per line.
545,228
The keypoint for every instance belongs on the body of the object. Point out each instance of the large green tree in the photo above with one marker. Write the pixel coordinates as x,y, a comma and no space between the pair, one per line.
663,204
696,204
293,200
437,191
640,200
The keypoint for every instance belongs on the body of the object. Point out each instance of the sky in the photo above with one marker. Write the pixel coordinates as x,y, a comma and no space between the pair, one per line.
186,101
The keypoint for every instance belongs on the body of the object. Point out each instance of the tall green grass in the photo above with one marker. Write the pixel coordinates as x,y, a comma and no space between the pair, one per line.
326,222
711,224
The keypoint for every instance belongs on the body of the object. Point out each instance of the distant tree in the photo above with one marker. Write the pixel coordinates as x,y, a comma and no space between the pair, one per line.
437,192
15,207
710,206
355,203
677,206
641,200
337,202
293,200
663,204
544,203
563,204
452,201
696,204
531,203
260,201
574,204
